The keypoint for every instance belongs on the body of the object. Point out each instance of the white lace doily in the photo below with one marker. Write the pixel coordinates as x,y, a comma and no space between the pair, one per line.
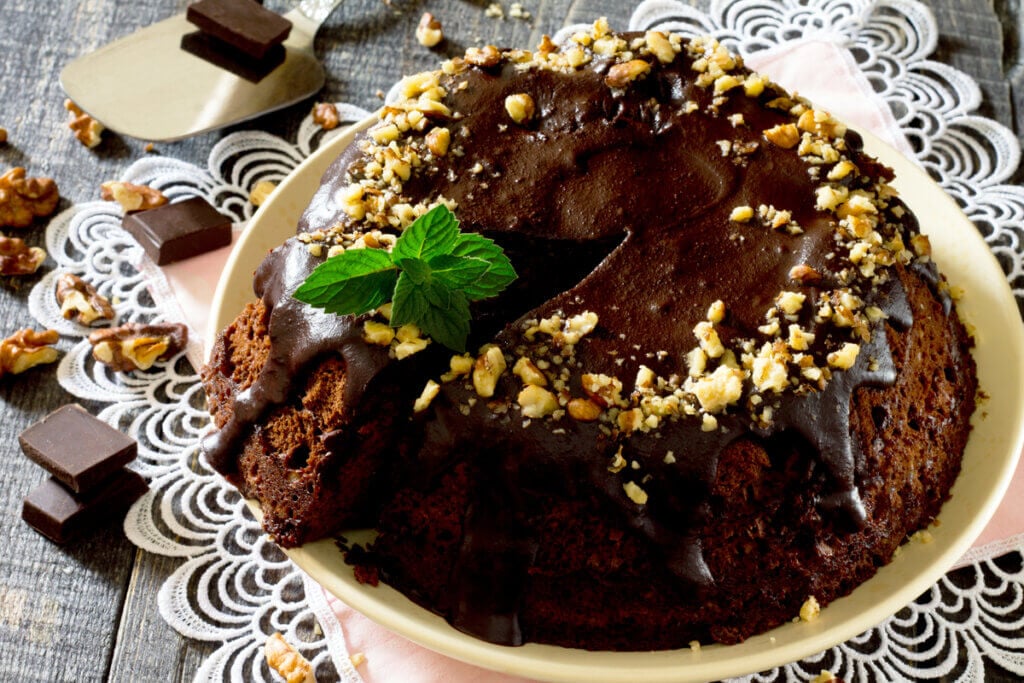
234,587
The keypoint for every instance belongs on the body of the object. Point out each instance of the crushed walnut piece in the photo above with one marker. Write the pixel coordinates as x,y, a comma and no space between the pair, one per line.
325,115
79,300
429,32
260,192
87,130
132,197
23,199
17,258
26,349
287,661
810,610
3,136
137,346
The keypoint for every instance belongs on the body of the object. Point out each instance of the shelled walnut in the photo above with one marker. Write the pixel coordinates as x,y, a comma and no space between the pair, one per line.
22,199
26,349
132,197
17,258
325,115
137,346
87,130
283,658
429,31
79,300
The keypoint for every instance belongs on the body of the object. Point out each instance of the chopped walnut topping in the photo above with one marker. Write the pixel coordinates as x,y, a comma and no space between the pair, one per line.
635,493
603,390
520,107
283,658
24,199
804,274
583,410
438,141
378,333
659,46
622,74
741,214
430,391
87,130
784,135
526,371
132,197
709,340
410,341
487,370
845,357
718,390
536,401
429,31
79,300
26,349
486,56
17,258
137,346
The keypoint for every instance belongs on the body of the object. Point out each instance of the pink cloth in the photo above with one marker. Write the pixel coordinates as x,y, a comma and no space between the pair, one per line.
823,73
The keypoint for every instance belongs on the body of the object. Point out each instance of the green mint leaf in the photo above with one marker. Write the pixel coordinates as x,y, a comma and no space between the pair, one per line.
499,273
354,282
430,235
417,269
457,272
431,275
441,313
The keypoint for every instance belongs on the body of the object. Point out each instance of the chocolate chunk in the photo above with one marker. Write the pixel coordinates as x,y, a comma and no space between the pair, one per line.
219,53
78,449
242,24
179,231
59,514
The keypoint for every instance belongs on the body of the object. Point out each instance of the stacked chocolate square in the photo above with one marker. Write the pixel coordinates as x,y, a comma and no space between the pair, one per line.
89,483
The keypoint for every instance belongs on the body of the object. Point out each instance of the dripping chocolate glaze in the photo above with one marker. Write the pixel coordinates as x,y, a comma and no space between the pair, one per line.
637,190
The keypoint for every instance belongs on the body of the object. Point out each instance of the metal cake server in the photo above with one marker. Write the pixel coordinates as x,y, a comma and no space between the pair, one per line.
146,86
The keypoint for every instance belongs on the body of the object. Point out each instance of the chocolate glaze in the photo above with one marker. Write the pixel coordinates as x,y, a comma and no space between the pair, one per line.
642,191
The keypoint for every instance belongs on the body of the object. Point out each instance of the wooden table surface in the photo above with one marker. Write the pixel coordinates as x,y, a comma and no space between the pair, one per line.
87,611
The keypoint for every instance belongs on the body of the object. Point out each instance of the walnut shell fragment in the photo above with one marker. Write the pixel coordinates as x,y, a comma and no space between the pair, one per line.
137,346
26,349
23,199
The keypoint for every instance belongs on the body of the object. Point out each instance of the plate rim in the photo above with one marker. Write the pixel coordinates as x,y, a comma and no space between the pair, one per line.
759,652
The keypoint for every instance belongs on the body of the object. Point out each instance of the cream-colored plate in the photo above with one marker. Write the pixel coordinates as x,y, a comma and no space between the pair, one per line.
987,468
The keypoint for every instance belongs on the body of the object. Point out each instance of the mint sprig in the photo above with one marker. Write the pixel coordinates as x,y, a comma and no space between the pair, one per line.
431,275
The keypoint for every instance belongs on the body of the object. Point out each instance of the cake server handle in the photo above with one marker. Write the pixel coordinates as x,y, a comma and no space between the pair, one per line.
306,20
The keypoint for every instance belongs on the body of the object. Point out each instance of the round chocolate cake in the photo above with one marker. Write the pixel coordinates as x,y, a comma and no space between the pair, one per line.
727,383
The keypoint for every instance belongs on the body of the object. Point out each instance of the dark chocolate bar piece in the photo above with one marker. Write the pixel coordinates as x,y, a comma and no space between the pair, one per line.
220,54
179,231
77,448
60,515
242,24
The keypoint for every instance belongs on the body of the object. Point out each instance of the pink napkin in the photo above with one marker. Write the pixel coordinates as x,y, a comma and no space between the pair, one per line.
825,74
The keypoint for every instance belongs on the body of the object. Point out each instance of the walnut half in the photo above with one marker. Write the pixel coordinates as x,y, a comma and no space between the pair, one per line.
137,346
26,349
17,258
24,199
79,300
132,197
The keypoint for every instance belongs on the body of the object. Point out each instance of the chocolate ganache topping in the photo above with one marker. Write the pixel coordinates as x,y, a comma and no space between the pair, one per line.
702,256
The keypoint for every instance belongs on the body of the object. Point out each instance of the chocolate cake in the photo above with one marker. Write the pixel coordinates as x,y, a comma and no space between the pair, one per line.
728,379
